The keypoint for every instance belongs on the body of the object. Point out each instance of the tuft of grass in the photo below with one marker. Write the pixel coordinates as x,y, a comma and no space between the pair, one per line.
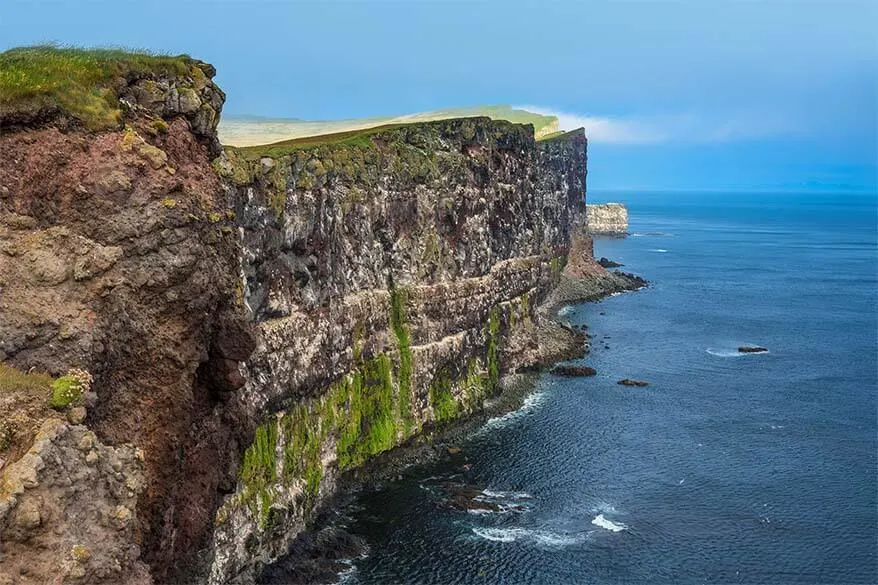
79,82
12,379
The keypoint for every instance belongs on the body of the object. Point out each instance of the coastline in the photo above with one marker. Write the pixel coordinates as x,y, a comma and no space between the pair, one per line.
326,548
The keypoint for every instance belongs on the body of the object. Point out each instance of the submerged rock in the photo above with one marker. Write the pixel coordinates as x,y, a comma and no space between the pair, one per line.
630,382
752,349
573,371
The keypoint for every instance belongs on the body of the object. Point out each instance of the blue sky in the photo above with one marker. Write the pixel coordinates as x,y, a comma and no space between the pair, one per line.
700,94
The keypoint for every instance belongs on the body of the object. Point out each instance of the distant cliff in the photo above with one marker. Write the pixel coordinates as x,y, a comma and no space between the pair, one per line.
252,324
607,219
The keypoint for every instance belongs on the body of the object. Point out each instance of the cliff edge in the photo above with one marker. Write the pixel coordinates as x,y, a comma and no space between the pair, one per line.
230,331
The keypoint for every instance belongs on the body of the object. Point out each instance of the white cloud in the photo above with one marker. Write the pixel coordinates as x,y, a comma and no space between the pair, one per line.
681,128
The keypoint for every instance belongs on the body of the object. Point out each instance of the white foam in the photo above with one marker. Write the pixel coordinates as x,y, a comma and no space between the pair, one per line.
499,534
723,352
602,507
530,404
539,537
599,520
506,495
566,310
659,250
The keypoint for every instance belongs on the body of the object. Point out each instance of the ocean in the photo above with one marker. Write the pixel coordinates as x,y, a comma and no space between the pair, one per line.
727,468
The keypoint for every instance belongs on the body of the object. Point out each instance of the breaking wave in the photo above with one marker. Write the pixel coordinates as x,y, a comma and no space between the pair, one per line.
603,522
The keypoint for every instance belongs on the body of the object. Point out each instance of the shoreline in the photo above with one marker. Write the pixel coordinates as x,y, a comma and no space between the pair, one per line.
315,552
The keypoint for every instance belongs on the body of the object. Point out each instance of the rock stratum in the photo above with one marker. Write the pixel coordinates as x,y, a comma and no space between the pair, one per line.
255,322
607,219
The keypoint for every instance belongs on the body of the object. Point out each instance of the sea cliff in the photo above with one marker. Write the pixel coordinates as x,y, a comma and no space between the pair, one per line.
607,219
253,322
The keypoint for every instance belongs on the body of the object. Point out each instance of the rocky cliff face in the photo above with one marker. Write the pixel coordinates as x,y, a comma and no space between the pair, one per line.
607,219
117,255
391,279
256,323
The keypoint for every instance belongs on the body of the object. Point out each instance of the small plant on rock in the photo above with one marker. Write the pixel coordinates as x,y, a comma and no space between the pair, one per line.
69,388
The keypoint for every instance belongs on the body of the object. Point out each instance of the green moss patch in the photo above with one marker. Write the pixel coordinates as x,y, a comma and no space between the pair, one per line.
66,391
80,82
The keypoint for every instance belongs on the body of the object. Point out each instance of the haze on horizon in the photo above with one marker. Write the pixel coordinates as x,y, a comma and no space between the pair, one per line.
674,95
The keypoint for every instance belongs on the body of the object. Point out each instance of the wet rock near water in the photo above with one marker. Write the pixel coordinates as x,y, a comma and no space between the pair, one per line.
752,349
315,558
573,371
630,382
607,263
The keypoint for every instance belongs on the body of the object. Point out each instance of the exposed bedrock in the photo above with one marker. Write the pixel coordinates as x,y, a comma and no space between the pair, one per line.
392,281
607,219
260,322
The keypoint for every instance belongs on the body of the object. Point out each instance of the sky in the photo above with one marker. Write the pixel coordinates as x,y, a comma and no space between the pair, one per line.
674,94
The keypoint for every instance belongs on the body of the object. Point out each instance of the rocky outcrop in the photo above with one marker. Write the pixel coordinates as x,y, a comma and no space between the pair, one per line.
118,256
67,511
607,219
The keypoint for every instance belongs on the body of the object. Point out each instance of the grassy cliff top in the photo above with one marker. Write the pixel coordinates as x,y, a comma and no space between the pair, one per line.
250,131
36,82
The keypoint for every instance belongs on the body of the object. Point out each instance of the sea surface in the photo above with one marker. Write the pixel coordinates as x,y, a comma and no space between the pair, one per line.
727,468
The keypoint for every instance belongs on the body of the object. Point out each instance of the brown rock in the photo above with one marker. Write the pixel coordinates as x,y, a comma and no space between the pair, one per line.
630,382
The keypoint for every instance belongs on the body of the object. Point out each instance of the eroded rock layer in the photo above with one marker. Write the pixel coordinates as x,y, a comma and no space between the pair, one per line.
392,280
259,322
607,219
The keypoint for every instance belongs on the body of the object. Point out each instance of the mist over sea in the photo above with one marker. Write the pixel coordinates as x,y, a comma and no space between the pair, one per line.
728,468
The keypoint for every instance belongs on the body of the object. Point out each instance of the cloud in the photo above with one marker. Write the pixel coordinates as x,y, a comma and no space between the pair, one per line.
679,128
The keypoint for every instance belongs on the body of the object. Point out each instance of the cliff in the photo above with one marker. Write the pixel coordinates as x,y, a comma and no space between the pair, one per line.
607,219
229,334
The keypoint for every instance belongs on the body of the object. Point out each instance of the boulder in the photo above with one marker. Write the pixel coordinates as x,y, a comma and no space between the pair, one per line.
607,263
752,349
630,382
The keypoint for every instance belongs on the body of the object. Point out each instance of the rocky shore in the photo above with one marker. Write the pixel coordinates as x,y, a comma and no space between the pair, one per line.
322,553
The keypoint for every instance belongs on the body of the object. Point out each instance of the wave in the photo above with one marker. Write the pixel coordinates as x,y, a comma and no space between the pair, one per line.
644,234
506,495
724,352
502,502
659,250
538,537
603,522
530,404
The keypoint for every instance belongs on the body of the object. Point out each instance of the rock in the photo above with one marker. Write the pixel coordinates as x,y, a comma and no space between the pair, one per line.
27,515
155,156
112,182
453,450
630,382
76,415
573,371
752,349
607,263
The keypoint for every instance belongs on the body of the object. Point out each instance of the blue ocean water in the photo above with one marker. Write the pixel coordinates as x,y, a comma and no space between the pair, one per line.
728,468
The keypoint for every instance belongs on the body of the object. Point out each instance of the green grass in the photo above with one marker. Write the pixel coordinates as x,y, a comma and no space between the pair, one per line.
242,132
349,138
13,379
80,82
